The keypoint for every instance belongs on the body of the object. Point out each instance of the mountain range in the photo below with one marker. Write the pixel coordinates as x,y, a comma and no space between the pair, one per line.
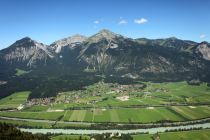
110,54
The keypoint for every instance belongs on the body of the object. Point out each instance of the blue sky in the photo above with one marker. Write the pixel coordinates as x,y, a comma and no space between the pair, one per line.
50,20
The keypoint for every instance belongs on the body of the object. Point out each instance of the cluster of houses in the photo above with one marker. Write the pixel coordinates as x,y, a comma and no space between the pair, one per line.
125,89
122,90
40,101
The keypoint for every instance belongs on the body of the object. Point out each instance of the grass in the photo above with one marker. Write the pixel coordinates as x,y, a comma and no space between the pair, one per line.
138,115
183,135
72,137
193,113
14,100
123,115
78,115
160,93
37,108
33,115
20,72
28,124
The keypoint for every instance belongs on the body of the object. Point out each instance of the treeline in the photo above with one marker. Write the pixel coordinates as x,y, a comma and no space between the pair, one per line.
43,84
9,132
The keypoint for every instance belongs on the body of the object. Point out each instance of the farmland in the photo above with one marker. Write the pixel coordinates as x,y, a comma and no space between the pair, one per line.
105,95
104,105
184,135
144,102
122,115
14,100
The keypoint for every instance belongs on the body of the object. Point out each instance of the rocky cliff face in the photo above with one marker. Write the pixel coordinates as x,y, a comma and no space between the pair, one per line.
26,52
70,42
204,50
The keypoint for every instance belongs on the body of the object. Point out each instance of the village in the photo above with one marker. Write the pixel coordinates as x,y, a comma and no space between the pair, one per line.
97,93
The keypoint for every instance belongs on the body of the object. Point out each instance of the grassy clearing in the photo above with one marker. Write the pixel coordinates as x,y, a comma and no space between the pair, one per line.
20,72
14,100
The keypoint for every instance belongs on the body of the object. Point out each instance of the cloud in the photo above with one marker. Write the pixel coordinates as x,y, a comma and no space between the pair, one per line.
122,21
202,36
140,21
96,22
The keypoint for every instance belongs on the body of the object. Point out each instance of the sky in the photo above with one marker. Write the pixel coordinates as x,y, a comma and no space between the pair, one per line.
49,20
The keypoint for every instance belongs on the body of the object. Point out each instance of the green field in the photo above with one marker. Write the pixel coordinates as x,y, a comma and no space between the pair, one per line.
123,115
138,115
27,123
34,115
20,72
183,135
14,100
36,108
72,137
105,107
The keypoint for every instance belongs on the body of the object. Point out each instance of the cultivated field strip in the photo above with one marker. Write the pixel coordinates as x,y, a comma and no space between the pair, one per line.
126,115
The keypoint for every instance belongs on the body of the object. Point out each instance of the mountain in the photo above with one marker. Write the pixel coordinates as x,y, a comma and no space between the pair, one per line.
25,53
108,52
204,50
70,42
95,55
76,61
172,42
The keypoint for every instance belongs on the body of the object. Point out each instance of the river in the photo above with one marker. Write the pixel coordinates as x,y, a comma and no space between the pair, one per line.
84,131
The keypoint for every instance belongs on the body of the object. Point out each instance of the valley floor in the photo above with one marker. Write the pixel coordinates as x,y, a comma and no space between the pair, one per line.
184,135
105,106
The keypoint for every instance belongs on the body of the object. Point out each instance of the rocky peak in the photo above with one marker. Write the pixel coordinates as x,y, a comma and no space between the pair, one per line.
24,42
172,39
204,49
26,51
204,43
104,34
70,41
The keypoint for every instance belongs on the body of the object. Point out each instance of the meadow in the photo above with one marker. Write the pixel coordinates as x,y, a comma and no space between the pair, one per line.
183,135
14,100
122,115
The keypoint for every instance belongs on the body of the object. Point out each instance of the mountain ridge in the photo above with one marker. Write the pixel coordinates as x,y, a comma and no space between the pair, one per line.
106,30
74,62
108,52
